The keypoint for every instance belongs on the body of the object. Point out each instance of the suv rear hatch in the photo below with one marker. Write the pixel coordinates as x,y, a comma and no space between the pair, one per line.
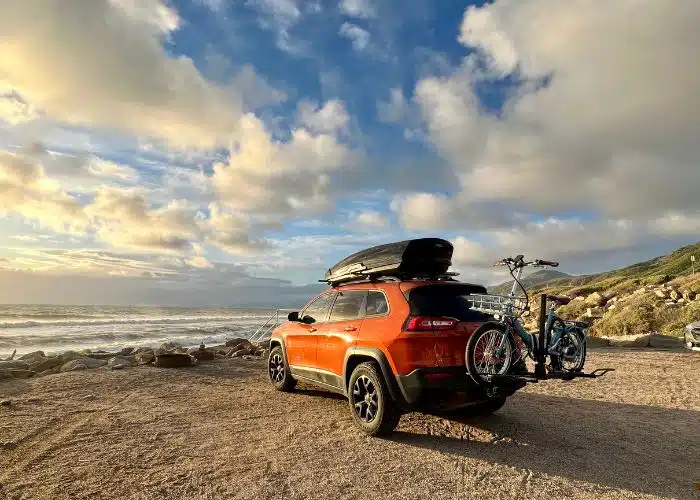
443,309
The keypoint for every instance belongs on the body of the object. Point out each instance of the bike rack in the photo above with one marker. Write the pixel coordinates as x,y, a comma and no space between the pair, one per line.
535,377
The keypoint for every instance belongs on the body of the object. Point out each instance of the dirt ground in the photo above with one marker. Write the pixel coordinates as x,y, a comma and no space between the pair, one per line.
219,431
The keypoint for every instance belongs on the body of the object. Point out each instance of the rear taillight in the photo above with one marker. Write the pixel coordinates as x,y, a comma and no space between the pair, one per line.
426,323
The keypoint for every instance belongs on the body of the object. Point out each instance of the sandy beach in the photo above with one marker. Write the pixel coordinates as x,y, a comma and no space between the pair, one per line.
218,430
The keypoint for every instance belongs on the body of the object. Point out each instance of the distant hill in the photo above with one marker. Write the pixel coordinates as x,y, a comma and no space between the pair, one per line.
536,279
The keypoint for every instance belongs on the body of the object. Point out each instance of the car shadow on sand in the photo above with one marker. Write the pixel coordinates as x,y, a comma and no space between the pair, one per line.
638,448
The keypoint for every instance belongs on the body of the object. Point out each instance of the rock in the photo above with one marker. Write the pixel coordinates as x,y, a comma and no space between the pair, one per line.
580,297
594,312
50,371
14,365
86,362
140,350
595,299
21,373
674,295
670,303
238,342
89,397
5,402
5,375
688,295
173,360
660,293
117,366
611,307
680,301
250,357
144,358
31,356
46,364
120,360
126,351
640,291
219,356
238,354
171,346
201,354
70,356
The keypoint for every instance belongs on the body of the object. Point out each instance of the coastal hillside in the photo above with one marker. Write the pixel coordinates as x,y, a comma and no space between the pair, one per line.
658,295
541,277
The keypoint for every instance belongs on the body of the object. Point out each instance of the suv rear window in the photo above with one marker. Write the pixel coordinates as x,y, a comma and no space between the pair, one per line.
445,300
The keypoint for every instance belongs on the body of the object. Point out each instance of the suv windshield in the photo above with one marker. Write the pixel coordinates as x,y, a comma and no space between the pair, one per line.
445,300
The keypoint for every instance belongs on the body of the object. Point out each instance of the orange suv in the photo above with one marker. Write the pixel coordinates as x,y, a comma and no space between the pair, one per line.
389,346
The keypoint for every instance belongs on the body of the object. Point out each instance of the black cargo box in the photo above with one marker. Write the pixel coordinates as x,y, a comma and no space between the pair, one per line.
419,258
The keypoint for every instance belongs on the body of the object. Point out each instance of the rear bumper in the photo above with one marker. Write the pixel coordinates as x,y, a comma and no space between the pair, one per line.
444,387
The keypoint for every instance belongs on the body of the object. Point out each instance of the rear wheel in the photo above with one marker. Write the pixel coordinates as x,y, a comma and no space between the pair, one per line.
571,354
278,371
372,407
490,351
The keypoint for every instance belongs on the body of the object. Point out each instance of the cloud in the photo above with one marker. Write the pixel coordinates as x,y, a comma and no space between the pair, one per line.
328,119
283,179
595,118
113,71
25,190
280,16
14,110
358,8
369,220
359,37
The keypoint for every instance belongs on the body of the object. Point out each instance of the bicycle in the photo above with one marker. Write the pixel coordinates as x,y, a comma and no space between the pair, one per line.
493,350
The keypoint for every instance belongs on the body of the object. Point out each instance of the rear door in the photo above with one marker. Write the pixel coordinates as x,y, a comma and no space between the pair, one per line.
340,332
448,300
302,337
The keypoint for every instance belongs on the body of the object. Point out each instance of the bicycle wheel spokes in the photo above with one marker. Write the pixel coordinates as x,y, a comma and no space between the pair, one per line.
492,353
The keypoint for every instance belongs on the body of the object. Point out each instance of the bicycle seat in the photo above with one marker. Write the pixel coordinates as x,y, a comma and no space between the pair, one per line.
559,299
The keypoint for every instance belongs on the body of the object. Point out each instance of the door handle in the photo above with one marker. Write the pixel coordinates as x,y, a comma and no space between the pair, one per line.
312,329
349,329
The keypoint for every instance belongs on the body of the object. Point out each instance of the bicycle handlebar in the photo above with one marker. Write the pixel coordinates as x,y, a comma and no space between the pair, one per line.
519,262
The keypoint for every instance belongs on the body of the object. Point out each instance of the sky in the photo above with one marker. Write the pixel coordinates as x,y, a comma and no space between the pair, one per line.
228,152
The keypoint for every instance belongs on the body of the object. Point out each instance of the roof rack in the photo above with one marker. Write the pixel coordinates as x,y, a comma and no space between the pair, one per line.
360,277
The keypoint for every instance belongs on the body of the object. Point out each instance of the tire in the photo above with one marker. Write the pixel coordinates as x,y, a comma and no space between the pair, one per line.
558,364
278,371
371,405
470,354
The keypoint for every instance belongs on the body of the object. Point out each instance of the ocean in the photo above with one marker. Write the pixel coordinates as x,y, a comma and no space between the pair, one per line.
48,328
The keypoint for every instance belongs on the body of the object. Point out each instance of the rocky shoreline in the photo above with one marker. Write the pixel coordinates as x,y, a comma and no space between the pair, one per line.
168,355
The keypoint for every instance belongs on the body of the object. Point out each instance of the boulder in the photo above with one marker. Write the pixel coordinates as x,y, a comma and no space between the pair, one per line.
70,356
173,360
200,353
30,357
74,366
171,346
238,342
688,295
144,358
21,373
86,362
140,350
595,299
674,294
660,293
117,367
238,354
46,364
121,360
580,297
126,351
16,364
50,371
594,312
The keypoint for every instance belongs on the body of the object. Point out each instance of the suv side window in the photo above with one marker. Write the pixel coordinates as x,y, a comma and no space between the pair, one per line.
347,306
317,311
376,304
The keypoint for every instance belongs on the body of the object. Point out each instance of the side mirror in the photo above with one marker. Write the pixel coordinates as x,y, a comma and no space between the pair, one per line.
293,316
308,320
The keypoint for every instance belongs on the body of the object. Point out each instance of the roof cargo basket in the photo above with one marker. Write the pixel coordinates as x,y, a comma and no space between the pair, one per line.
423,258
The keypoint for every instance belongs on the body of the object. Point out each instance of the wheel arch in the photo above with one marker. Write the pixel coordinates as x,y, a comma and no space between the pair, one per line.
357,355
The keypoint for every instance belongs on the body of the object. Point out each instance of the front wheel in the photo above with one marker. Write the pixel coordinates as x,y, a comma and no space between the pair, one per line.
278,371
490,351
571,353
